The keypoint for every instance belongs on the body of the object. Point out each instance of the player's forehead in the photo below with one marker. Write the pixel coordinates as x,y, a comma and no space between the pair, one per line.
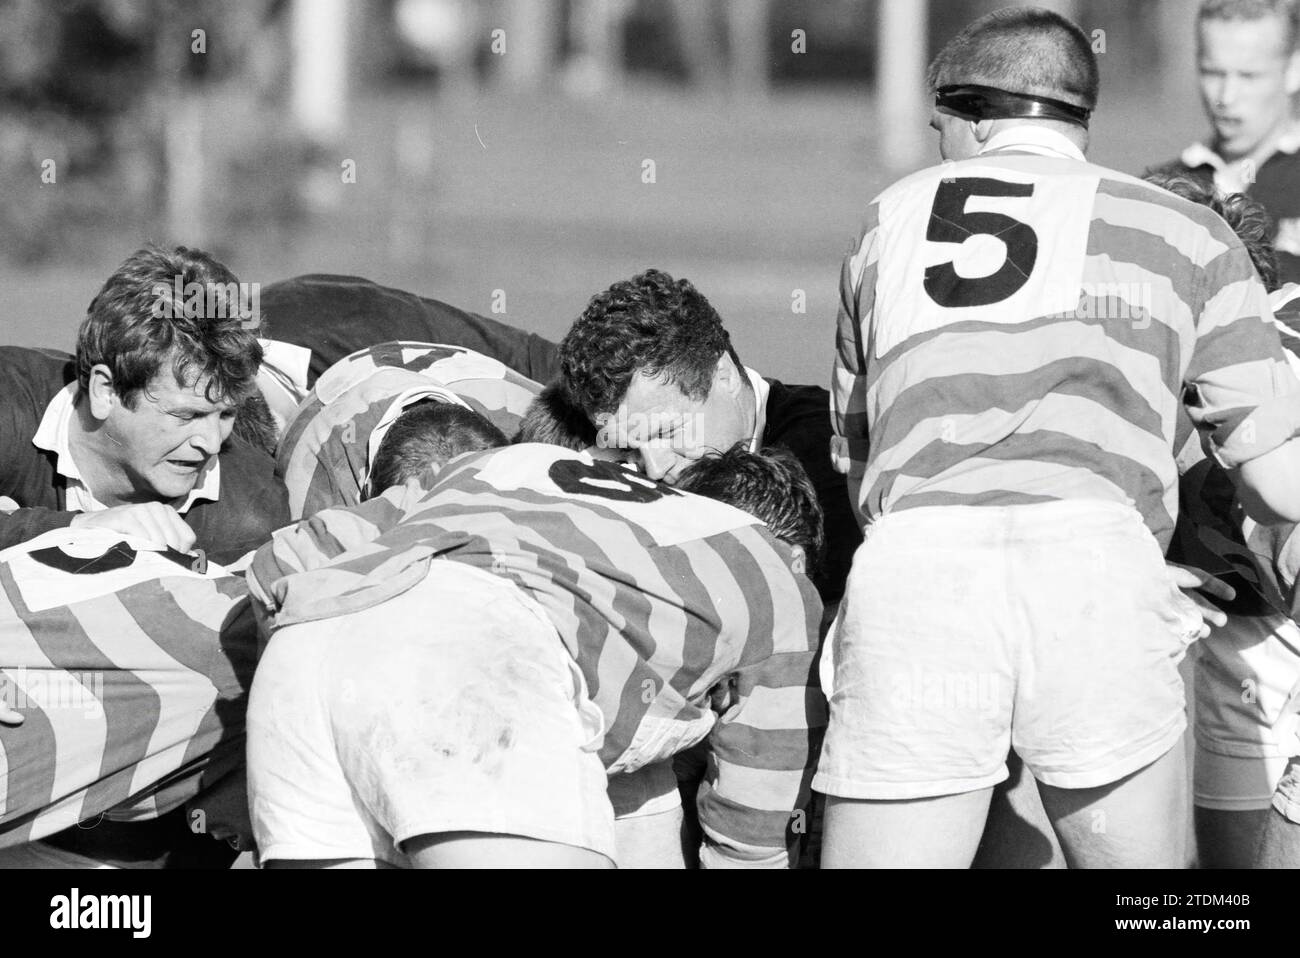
189,394
1245,45
656,394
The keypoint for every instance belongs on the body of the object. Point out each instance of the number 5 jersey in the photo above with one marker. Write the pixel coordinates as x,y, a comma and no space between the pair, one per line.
660,596
1021,327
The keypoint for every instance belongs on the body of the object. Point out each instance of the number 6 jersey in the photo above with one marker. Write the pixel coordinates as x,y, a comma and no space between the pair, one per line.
1021,327
660,596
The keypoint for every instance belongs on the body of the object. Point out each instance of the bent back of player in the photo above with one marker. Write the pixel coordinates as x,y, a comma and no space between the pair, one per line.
590,622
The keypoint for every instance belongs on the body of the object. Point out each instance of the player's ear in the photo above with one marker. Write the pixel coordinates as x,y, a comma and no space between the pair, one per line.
798,560
100,393
727,375
1293,73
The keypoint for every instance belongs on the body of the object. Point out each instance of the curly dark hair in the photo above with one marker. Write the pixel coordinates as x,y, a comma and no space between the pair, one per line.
770,484
1248,218
650,324
134,325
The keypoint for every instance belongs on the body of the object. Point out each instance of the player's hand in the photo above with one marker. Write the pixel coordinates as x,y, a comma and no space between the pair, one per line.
222,812
1194,583
841,462
154,522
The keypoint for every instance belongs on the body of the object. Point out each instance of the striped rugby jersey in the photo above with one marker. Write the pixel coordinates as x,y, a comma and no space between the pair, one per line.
327,447
660,596
129,668
1213,531
1019,327
1286,316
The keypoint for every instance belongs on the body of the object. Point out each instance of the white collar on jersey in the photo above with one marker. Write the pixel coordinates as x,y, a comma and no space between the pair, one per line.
1201,154
282,378
761,389
1028,138
1237,177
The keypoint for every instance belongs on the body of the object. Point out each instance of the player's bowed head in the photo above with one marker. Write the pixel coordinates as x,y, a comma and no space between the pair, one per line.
425,438
770,485
651,365
1014,65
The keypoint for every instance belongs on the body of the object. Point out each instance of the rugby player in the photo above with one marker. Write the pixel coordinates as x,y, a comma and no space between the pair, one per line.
334,316
652,366
1246,717
588,620
648,323
328,447
128,667
1247,672
134,434
1014,340
1249,71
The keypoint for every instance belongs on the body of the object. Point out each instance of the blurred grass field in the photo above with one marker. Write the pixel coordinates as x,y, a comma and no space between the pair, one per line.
542,197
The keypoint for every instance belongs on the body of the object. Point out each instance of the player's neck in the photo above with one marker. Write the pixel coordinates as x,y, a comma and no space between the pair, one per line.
93,450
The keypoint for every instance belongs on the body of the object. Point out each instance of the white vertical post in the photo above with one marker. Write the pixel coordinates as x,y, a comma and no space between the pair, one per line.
531,31
901,97
186,152
747,23
320,71
696,35
1178,41
596,28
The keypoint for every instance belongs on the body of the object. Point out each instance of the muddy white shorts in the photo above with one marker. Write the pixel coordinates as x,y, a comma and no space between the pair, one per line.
452,707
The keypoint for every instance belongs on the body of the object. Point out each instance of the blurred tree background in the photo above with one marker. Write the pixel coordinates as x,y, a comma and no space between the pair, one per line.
111,93
501,145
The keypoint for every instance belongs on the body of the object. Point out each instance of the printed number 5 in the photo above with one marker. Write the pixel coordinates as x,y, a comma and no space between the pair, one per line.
950,223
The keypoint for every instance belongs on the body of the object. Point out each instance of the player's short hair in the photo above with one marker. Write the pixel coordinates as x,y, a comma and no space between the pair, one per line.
1288,11
429,434
1247,217
771,485
134,326
651,324
554,419
1026,50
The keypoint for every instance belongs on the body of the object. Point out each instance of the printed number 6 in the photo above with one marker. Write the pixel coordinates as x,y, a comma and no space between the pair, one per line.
617,484
950,223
